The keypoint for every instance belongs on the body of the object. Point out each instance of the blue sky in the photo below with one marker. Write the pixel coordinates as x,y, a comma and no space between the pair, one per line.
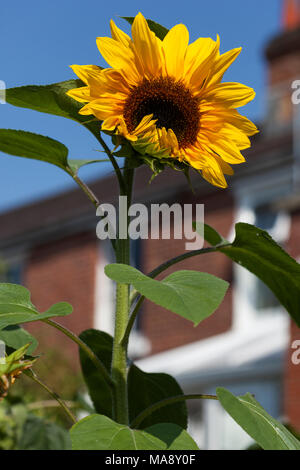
40,39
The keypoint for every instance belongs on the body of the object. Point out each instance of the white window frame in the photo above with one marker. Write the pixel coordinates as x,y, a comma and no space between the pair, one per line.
252,194
104,312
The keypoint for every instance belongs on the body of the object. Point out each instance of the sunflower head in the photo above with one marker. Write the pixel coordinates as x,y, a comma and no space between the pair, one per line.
165,97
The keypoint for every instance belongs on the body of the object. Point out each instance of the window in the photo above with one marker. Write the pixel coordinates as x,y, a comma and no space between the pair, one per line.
252,298
105,294
139,345
263,297
11,272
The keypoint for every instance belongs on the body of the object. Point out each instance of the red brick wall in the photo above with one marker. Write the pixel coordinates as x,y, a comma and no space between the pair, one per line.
164,329
284,68
292,384
282,71
292,372
63,271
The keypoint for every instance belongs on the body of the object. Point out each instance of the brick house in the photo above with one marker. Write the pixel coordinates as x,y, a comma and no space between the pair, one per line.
51,247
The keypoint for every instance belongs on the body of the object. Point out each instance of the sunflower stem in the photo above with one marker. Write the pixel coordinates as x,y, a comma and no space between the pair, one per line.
119,358
118,172
30,373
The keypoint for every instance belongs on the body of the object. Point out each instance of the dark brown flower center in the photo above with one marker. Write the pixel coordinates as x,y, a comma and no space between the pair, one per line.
170,102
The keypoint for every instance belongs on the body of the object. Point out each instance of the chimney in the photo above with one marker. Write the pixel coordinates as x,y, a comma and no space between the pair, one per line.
291,15
283,56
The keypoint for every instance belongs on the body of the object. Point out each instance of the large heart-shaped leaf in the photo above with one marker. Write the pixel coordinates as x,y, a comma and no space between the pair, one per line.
255,250
145,389
16,307
100,392
190,294
250,415
15,337
97,432
52,99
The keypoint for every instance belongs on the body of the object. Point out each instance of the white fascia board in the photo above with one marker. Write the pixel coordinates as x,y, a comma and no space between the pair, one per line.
233,349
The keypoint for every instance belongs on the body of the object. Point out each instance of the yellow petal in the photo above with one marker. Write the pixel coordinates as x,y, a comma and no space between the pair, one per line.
228,151
231,95
216,117
195,156
146,123
147,47
110,123
241,122
119,57
85,71
201,71
197,52
122,130
81,94
214,177
119,35
175,45
227,170
202,159
111,81
221,65
236,135
173,142
105,106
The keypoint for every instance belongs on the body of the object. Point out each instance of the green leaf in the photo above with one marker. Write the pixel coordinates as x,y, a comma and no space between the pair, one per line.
100,392
97,432
255,250
39,147
209,233
16,307
190,294
52,99
15,337
145,389
250,415
15,361
39,434
34,146
76,164
158,30
173,436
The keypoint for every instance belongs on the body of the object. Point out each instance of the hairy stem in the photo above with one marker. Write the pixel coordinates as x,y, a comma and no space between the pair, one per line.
92,197
50,404
162,267
119,358
113,161
30,373
131,321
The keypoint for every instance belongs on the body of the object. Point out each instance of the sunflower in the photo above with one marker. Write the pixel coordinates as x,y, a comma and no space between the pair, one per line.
167,99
